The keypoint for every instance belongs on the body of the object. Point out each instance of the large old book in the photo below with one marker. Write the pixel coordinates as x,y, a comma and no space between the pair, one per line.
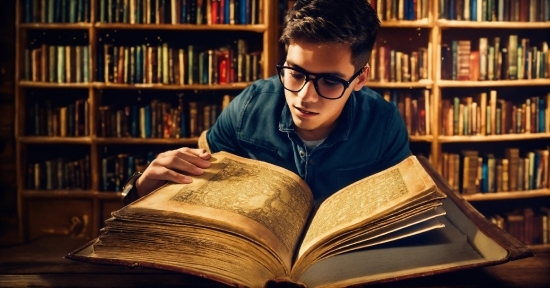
249,223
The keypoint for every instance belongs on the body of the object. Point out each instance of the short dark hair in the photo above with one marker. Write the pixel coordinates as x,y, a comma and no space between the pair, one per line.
352,22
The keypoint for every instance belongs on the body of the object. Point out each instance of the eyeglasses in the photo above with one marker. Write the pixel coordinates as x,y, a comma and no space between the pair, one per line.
326,85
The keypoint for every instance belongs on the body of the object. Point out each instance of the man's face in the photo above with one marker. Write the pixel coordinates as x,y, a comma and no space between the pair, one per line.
314,116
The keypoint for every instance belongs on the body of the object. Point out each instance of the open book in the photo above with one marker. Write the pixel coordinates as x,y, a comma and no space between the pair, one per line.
249,223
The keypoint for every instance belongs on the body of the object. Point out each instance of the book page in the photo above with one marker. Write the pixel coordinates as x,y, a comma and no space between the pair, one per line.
438,249
250,198
368,200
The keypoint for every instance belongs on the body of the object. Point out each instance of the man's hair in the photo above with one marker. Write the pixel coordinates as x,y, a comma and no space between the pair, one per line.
352,22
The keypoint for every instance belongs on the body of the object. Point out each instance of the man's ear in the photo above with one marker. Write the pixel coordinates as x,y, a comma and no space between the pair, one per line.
363,78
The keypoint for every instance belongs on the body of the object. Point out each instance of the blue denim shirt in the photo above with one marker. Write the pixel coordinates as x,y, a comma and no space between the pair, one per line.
370,136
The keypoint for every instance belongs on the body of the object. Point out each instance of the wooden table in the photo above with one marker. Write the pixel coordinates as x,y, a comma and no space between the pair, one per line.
41,263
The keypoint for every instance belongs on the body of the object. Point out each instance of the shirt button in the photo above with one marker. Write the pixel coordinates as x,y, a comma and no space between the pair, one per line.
311,162
302,153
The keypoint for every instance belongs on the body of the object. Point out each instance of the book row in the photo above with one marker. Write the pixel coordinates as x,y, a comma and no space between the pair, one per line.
473,172
414,107
173,65
145,11
389,65
55,11
485,114
59,174
159,119
58,64
59,120
181,11
401,9
495,10
117,168
514,60
530,226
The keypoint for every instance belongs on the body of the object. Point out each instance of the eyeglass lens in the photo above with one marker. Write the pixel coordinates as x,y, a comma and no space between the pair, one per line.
295,80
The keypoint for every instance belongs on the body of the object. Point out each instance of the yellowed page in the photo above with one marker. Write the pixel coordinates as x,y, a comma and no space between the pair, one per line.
367,200
256,200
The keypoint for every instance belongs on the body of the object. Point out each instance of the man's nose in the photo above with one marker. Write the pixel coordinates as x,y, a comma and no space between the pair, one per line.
309,93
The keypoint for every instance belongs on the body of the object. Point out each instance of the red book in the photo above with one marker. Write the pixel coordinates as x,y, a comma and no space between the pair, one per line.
215,12
474,66
222,11
223,66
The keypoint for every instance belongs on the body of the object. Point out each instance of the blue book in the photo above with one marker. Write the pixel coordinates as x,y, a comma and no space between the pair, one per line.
484,177
409,9
227,12
473,10
183,12
542,118
452,10
28,11
242,12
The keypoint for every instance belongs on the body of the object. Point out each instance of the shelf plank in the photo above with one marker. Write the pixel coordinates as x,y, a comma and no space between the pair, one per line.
498,83
54,140
60,26
401,85
63,194
424,23
231,86
160,141
260,28
443,23
493,138
421,138
70,194
33,84
507,195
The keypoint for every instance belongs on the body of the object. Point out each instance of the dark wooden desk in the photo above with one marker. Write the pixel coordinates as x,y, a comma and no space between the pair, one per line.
41,264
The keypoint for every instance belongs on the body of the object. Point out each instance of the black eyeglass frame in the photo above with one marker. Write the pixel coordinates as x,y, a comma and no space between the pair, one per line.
316,79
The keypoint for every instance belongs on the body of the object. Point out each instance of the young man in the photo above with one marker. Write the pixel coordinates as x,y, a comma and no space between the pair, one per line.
331,130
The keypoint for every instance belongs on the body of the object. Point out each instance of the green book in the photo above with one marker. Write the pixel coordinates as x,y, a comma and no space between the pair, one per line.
60,64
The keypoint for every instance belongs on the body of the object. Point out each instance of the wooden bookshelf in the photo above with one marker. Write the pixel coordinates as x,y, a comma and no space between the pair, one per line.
426,35
92,205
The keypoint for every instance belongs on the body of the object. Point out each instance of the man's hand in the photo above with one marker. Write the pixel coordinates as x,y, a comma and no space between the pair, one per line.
172,166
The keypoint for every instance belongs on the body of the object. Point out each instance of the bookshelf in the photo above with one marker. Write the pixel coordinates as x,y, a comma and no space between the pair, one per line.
434,28
83,154
421,38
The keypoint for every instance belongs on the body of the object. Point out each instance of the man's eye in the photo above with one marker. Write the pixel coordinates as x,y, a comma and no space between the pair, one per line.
297,75
329,82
